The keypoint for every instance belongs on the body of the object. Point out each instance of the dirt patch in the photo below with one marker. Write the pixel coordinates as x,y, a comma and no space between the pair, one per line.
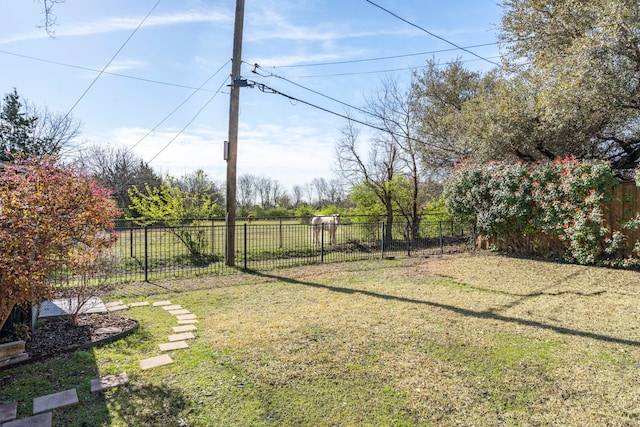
55,336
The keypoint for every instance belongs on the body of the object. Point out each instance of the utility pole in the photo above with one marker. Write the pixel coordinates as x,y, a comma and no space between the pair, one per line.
232,153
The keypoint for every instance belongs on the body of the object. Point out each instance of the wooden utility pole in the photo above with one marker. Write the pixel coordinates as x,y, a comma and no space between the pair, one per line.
232,155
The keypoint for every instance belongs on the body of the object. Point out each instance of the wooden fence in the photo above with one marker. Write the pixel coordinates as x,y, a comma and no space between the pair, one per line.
624,205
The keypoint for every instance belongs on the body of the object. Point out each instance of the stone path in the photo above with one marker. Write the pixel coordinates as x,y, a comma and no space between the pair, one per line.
41,420
177,341
55,400
100,384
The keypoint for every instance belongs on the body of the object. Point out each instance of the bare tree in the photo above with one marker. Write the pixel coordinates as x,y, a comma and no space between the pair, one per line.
397,111
247,190
278,193
49,17
33,131
377,170
264,186
298,195
118,168
198,182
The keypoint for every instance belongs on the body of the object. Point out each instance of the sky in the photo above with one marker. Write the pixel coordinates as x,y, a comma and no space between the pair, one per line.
164,93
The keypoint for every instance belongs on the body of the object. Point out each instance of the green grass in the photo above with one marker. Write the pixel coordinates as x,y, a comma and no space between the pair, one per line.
369,343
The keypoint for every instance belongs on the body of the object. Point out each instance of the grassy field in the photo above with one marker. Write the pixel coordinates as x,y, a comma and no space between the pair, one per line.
469,340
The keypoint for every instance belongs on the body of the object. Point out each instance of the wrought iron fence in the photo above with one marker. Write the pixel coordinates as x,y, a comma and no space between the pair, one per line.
144,253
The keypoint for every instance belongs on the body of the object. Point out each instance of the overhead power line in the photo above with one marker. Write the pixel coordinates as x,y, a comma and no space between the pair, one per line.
196,90
266,89
431,34
190,121
48,61
390,70
382,58
112,58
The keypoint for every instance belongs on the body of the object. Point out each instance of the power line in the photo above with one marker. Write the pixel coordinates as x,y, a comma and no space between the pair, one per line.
190,121
377,116
255,71
196,90
382,58
33,58
391,70
112,58
430,33
266,89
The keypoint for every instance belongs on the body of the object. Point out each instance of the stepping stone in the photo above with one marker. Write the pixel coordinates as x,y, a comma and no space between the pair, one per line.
8,412
176,345
180,337
185,328
187,317
64,307
55,400
41,420
177,312
118,307
161,303
113,303
109,381
153,362
172,307
187,321
139,304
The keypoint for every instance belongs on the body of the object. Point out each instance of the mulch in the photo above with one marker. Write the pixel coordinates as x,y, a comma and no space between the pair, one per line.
56,336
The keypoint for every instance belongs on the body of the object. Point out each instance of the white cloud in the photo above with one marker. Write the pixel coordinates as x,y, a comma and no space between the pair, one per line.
108,25
292,155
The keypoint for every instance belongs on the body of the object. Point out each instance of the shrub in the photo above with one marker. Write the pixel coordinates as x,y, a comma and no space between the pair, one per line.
564,198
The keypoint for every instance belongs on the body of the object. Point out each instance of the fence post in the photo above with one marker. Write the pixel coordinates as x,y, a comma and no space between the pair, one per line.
408,239
322,242
146,255
441,240
382,242
213,237
131,242
245,246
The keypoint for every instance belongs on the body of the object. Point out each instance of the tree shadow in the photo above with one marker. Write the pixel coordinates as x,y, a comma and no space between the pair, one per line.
486,314
149,405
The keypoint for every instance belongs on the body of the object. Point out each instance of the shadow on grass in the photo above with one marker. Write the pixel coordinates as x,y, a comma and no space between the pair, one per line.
148,405
490,315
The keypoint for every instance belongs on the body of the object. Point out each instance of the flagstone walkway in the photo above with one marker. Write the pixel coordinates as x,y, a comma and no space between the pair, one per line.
44,404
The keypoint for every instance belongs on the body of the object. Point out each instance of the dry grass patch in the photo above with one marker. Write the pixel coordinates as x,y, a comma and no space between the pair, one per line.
469,341
463,341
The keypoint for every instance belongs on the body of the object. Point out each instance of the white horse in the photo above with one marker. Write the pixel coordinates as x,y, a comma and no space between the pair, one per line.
326,223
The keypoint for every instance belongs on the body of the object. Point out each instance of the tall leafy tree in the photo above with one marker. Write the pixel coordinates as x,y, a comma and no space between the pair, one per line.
584,61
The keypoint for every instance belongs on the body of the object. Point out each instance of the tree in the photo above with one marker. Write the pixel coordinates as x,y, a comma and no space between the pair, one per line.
52,217
173,206
27,130
438,98
377,171
198,182
247,189
118,169
583,59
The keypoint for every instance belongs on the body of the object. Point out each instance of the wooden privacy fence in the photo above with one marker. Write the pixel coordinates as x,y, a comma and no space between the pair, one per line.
624,206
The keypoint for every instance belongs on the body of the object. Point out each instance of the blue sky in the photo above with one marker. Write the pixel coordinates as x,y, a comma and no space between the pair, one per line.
183,43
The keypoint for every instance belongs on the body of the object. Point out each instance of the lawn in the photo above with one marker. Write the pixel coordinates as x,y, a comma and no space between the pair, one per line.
469,340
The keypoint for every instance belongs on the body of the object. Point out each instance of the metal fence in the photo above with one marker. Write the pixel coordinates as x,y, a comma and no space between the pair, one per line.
144,253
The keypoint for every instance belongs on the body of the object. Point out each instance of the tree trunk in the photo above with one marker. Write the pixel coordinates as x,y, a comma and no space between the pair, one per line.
389,229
